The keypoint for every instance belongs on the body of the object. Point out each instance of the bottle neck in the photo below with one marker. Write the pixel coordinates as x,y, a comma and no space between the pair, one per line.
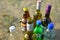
37,25
47,15
29,20
26,11
38,12
27,14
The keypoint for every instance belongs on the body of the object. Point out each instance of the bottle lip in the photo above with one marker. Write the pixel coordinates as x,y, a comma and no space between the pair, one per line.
25,9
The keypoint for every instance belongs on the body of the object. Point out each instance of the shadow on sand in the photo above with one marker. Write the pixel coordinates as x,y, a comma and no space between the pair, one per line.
57,34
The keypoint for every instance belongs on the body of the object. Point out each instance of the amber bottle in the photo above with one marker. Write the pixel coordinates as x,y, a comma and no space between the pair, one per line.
37,15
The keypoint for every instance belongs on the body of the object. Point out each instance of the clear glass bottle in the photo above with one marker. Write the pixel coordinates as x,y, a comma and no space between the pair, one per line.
50,33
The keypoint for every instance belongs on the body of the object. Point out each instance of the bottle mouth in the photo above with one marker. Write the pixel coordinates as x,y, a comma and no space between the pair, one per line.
25,9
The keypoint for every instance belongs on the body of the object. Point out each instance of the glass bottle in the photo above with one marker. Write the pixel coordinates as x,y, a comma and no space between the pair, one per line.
29,24
47,18
50,33
26,15
28,35
38,14
38,31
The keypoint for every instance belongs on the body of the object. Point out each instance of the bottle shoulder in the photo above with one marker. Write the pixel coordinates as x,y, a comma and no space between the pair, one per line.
38,30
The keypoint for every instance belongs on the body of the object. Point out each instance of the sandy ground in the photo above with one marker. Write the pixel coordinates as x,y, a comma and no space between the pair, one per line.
13,8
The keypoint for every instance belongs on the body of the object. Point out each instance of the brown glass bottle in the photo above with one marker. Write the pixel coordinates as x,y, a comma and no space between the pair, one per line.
23,24
26,13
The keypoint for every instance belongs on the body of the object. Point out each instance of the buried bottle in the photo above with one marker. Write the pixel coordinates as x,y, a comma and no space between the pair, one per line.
12,30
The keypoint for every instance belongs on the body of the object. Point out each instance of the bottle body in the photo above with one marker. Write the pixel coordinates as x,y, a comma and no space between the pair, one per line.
26,15
49,35
23,27
39,37
28,35
29,24
46,21
23,24
34,20
37,16
29,27
38,31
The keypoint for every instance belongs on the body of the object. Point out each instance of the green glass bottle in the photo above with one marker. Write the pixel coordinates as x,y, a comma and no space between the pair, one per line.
38,31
